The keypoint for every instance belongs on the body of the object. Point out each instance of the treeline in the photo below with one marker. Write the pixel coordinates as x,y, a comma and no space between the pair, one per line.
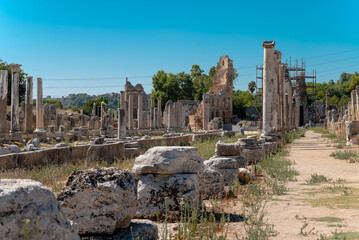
182,86
339,91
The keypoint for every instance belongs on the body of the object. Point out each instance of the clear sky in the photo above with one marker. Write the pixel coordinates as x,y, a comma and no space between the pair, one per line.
90,46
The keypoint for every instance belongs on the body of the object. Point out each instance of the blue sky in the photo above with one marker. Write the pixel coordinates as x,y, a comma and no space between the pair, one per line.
73,44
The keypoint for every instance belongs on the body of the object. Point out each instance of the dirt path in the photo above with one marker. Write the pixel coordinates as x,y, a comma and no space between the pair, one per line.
337,204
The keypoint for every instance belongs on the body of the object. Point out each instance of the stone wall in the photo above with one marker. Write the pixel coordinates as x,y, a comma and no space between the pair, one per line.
100,152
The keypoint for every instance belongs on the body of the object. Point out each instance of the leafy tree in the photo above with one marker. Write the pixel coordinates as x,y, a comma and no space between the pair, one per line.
353,83
212,71
241,100
87,109
334,100
252,86
196,71
186,86
22,82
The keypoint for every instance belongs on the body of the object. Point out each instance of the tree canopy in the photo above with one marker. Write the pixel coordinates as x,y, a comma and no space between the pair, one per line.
186,86
22,82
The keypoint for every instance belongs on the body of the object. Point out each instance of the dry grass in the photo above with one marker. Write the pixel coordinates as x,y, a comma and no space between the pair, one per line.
55,176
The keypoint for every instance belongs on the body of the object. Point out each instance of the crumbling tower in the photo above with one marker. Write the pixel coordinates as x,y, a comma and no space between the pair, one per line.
218,101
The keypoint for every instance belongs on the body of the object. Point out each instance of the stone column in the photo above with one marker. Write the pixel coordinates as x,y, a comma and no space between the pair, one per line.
159,113
139,111
3,102
206,110
269,76
327,110
357,102
152,114
28,105
353,104
297,111
110,119
130,111
15,120
103,115
94,110
277,94
169,111
121,131
155,117
40,131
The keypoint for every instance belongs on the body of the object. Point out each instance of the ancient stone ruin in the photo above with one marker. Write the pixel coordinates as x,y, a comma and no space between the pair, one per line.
218,101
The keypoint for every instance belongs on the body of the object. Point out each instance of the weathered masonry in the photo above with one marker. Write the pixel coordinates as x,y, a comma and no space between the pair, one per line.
218,101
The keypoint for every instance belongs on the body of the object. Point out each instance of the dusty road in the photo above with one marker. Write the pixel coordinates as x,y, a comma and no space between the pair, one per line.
320,208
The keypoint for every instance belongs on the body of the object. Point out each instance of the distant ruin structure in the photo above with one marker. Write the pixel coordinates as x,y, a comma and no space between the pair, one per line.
218,101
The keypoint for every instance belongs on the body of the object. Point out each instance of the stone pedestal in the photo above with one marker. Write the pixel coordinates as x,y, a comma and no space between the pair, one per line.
3,103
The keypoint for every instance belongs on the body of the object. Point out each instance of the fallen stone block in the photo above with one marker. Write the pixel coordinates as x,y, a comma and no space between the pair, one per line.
155,191
28,204
169,160
140,229
100,200
211,183
228,149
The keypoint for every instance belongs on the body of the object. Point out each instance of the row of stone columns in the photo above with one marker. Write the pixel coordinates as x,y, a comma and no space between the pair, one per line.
281,106
15,131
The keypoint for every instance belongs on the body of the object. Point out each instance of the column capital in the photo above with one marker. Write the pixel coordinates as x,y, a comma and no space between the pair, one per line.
15,68
39,78
268,44
29,77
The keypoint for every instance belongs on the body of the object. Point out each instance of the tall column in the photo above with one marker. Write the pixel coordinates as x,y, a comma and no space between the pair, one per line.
353,104
155,117
277,93
169,112
103,115
39,107
139,111
130,110
280,91
327,110
94,110
159,113
15,120
152,113
28,105
3,102
297,111
357,102
268,87
121,131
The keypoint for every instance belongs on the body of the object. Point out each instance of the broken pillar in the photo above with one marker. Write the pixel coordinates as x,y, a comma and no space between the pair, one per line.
15,119
28,105
3,102
121,131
